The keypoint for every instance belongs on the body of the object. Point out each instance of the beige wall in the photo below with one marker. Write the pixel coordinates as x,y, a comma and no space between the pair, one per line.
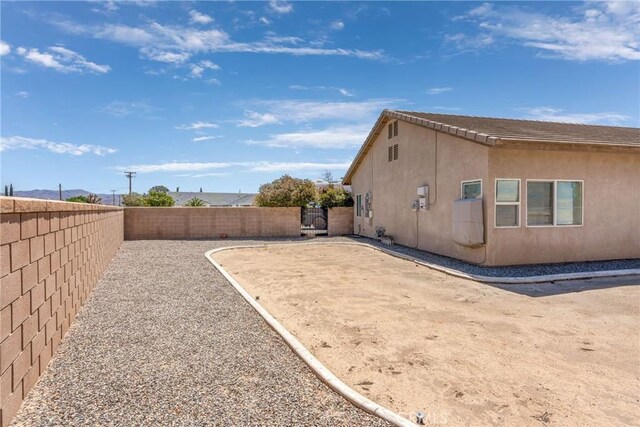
611,227
340,221
208,223
611,192
52,254
394,187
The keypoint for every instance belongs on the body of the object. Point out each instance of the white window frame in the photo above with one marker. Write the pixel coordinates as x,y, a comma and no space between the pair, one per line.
555,203
359,205
497,203
462,183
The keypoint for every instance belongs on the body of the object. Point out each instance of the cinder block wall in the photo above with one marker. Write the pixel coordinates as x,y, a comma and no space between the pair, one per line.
210,223
340,221
52,254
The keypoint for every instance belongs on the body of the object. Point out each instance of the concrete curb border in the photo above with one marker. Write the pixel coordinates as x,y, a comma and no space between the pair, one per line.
307,357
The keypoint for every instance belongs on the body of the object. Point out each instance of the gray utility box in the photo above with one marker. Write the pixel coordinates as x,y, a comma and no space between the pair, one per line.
468,222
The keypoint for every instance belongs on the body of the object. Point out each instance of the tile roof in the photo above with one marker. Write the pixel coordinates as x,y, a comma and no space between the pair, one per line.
524,130
214,199
497,131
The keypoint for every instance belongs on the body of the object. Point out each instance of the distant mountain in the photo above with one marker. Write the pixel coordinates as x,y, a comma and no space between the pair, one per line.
53,195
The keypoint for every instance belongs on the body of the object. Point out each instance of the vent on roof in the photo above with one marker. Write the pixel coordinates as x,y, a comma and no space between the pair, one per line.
395,152
390,128
390,153
395,128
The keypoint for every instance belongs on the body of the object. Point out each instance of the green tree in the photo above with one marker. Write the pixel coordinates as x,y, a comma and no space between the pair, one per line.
195,202
157,198
133,199
77,199
333,197
159,189
287,191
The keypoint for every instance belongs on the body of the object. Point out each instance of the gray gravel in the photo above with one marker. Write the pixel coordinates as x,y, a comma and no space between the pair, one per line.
164,339
509,271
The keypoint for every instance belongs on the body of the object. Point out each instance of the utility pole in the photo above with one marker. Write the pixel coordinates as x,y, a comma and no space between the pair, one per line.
113,197
129,175
60,192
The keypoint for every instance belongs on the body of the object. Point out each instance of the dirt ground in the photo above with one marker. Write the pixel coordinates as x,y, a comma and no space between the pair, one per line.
464,353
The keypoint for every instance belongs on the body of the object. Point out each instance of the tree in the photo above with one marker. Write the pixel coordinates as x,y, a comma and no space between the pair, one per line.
195,202
327,176
158,198
133,199
94,199
287,191
77,199
159,189
333,197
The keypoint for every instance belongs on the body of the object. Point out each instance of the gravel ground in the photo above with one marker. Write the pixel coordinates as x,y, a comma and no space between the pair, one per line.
509,271
165,340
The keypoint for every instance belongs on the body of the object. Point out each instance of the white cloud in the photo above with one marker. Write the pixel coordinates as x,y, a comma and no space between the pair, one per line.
438,90
341,90
165,56
124,109
293,110
336,25
62,59
333,137
264,20
200,18
21,142
559,115
23,94
154,37
5,48
205,138
254,166
200,67
280,6
295,166
174,167
198,125
600,31
255,120
345,92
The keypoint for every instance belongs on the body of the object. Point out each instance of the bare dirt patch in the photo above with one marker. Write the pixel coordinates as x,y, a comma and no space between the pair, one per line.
463,353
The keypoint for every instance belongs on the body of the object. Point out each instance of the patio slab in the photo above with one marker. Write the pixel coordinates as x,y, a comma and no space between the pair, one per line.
165,340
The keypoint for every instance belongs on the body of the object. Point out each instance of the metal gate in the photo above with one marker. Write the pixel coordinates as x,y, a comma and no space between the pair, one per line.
313,221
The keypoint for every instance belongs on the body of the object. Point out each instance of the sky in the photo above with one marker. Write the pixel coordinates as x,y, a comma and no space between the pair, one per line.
226,96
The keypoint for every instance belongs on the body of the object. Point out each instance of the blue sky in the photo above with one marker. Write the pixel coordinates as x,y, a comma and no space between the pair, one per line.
229,95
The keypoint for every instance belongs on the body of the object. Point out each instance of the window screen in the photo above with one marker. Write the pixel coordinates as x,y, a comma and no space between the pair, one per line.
540,203
507,203
568,203
471,189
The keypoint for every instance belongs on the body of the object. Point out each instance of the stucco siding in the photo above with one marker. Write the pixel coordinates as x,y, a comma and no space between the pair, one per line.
611,192
394,187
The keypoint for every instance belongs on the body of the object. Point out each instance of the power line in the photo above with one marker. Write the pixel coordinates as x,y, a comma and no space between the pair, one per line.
129,175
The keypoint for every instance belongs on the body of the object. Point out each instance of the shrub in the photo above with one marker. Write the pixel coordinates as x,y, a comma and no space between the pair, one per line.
333,197
94,199
77,199
157,198
287,191
159,189
133,199
195,202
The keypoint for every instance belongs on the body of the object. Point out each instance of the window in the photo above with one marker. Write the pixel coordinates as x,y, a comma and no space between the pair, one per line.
359,205
471,189
395,152
390,153
554,203
507,203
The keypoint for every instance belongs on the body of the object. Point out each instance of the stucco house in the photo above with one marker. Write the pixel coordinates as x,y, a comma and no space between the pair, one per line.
499,191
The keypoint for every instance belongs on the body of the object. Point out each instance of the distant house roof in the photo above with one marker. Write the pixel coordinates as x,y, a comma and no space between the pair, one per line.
496,131
214,199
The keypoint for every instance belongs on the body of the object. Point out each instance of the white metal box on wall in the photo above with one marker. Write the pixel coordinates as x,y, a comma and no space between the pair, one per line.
468,222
